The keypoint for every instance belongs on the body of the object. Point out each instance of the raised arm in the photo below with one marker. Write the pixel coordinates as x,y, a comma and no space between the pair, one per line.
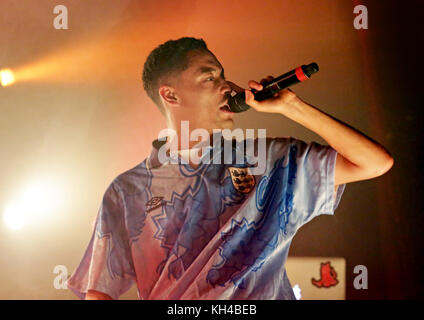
359,157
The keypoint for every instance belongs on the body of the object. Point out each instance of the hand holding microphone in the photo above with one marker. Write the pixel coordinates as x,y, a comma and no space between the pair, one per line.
271,90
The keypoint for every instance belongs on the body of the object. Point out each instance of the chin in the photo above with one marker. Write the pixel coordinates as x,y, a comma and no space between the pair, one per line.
228,124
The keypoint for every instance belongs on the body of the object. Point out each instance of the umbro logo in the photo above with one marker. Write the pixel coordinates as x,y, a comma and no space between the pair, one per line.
155,203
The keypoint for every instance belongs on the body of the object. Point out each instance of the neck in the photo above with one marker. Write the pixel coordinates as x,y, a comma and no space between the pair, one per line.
183,132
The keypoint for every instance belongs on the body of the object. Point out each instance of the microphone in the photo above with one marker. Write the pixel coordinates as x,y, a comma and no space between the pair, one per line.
237,102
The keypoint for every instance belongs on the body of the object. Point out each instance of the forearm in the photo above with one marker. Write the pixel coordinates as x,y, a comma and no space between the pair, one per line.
356,147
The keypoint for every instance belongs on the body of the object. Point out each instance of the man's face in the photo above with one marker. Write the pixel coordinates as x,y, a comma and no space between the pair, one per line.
202,92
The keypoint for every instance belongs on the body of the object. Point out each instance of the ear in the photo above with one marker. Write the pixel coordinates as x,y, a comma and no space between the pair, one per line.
168,94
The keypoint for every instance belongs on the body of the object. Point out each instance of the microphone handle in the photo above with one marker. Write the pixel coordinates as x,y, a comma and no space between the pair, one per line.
302,73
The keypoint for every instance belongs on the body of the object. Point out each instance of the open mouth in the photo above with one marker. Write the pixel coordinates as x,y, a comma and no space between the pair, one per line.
226,108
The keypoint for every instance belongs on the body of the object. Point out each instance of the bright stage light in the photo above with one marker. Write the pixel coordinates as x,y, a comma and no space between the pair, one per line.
7,77
14,217
37,198
36,203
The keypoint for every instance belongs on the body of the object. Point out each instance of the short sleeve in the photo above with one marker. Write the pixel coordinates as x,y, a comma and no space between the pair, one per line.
315,179
107,264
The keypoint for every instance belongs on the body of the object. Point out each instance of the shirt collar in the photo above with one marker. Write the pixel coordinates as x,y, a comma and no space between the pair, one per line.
216,141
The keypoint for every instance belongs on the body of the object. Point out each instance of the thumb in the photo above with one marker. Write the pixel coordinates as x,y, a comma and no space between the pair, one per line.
250,98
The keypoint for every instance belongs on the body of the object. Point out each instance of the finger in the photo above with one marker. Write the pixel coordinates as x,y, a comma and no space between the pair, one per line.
255,85
267,79
250,99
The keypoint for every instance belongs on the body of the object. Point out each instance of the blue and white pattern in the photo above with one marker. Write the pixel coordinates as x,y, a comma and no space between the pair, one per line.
206,239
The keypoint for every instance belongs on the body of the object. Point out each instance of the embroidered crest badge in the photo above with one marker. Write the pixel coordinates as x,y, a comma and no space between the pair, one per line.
242,180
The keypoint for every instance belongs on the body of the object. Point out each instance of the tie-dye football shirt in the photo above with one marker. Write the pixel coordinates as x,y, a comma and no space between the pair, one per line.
211,232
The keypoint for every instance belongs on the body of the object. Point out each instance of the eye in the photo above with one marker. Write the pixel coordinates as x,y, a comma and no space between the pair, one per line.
210,79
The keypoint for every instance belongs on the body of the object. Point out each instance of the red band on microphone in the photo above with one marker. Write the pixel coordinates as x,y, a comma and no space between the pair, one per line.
300,74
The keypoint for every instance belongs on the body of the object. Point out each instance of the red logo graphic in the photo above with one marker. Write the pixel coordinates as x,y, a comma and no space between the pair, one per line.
328,276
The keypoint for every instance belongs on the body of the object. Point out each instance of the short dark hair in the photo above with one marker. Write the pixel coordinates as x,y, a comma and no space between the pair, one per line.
167,58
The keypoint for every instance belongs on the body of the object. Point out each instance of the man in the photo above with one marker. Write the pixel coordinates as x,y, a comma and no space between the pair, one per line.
214,231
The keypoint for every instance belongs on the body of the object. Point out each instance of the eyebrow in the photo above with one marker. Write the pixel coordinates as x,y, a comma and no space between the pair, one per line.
205,69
